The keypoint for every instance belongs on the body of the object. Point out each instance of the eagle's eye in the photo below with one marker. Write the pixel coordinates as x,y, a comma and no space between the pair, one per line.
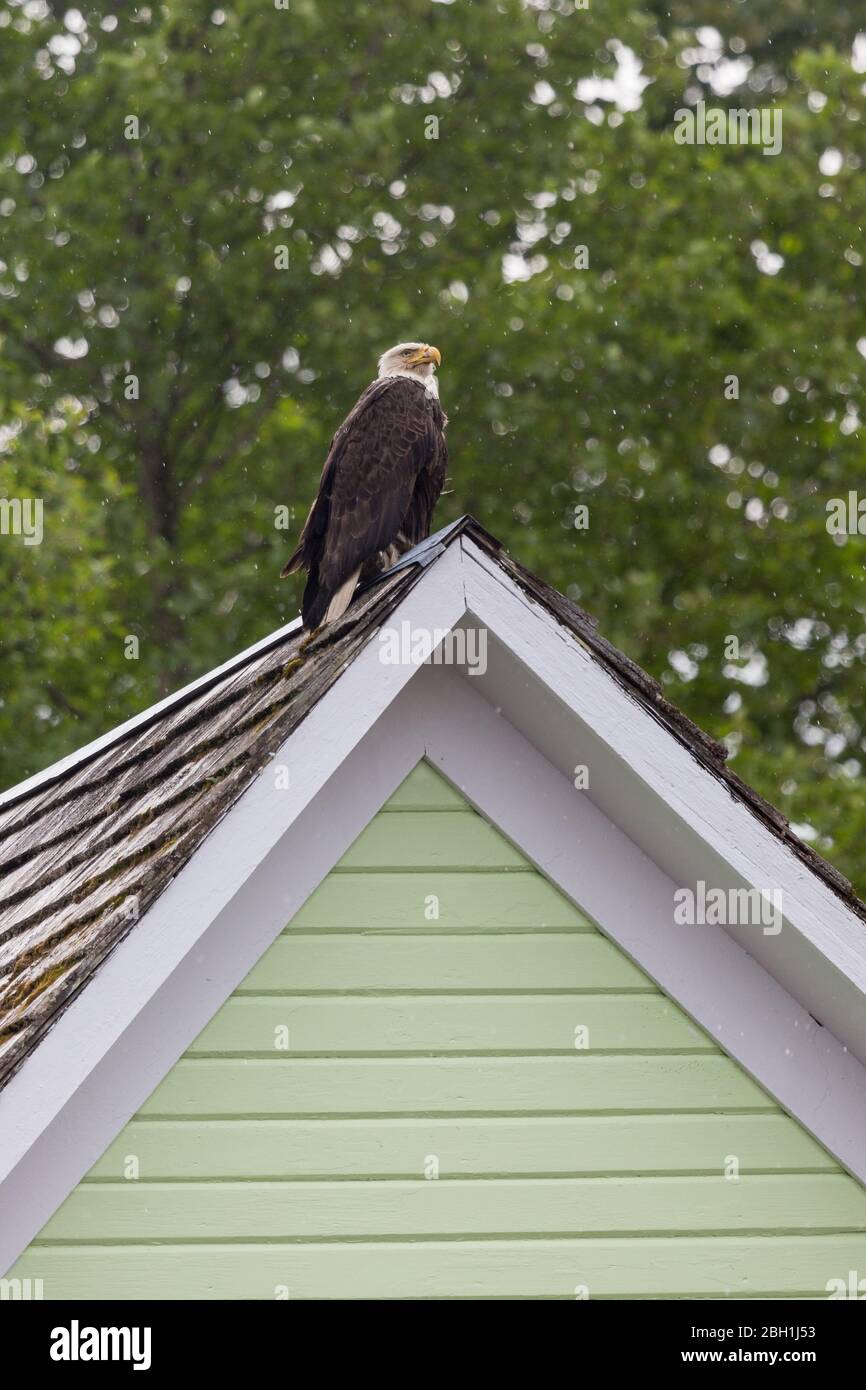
407,352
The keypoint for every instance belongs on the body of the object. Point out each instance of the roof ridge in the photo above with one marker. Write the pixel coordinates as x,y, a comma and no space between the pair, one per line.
422,554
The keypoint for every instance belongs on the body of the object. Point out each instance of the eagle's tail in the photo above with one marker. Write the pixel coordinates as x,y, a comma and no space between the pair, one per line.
320,607
342,598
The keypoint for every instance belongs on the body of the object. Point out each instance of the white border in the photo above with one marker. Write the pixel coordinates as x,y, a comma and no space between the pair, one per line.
668,802
724,989
118,1038
145,1005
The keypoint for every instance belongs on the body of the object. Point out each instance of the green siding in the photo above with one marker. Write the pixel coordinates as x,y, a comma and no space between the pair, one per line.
385,1033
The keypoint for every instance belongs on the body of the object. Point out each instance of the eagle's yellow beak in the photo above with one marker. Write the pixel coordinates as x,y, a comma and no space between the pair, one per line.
426,354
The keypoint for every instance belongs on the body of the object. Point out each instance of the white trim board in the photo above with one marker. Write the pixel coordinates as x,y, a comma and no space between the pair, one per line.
508,740
59,1088
724,989
440,716
572,707
172,1011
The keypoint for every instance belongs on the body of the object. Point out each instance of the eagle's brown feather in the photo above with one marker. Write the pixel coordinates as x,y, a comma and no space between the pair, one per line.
379,485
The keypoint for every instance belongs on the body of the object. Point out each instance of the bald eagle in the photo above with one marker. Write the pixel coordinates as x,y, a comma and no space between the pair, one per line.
380,483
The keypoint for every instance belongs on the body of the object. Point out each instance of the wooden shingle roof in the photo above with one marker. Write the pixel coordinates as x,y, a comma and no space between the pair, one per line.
88,846
85,853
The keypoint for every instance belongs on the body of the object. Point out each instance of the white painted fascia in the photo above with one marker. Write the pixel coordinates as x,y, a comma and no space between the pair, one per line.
601,869
440,716
497,737
50,1110
665,799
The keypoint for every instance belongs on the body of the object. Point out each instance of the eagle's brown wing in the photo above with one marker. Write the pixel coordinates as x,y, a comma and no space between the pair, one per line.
428,486
368,486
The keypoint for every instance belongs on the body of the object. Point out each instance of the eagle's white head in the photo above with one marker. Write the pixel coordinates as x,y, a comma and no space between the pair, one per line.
417,361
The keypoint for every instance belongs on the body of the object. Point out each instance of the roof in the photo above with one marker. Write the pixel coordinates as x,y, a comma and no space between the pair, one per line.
87,846
148,874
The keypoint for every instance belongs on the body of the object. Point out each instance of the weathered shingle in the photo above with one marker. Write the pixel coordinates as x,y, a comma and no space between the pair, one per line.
83,855
85,852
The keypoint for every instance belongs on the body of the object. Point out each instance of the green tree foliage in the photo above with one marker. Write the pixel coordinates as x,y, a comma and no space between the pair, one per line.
212,220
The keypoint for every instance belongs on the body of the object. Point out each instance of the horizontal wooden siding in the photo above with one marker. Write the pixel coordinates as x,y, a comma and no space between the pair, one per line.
442,1081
